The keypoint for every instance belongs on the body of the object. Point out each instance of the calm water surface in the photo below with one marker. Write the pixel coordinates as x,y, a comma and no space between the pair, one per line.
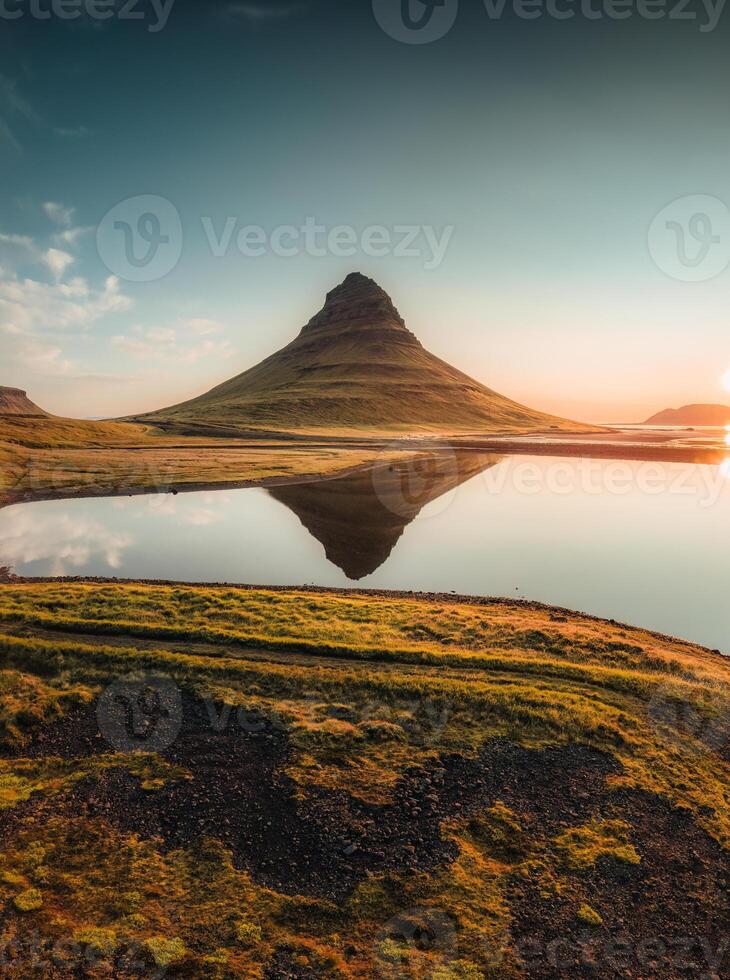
647,544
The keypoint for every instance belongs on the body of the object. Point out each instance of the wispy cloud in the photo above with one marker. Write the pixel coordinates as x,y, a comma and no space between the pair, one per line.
14,102
71,133
6,136
258,13
13,107
57,261
59,214
70,236
186,341
21,241
32,311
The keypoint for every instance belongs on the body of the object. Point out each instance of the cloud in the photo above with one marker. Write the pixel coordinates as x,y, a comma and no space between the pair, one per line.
72,133
14,102
6,136
29,305
58,214
203,328
31,310
14,107
71,236
21,241
256,13
64,217
187,342
57,261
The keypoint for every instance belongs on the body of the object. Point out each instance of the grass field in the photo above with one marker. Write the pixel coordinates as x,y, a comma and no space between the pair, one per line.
313,784
65,458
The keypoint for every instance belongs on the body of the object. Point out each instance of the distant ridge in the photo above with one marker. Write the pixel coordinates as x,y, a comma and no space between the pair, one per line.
356,366
692,415
13,401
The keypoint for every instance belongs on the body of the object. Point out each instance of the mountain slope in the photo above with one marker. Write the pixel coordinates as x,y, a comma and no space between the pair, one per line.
355,366
692,415
13,401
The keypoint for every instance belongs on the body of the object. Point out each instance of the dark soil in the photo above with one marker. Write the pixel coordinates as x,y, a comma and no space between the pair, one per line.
667,917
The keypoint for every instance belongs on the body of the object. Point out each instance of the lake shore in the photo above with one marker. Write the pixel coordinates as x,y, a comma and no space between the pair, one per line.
67,460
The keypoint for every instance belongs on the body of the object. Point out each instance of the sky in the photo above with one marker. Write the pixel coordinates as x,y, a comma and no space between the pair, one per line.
545,200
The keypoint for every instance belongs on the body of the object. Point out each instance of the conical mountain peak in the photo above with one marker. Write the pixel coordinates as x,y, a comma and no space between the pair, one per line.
358,305
355,366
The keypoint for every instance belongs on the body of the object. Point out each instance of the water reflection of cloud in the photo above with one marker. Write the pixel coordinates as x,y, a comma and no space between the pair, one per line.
200,517
199,509
64,542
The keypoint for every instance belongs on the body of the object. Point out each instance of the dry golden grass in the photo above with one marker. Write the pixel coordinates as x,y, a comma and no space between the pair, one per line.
64,457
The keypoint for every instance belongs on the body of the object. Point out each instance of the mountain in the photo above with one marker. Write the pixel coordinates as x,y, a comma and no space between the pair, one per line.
356,366
692,415
358,519
13,401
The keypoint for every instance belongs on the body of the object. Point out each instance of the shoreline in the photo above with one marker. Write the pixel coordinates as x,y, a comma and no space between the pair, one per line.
445,598
609,446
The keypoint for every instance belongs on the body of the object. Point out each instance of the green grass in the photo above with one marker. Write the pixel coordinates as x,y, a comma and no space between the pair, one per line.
366,688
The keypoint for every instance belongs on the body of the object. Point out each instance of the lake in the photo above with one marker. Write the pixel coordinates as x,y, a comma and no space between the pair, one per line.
643,543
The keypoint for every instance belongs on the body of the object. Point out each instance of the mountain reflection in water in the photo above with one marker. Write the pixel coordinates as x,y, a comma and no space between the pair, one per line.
359,518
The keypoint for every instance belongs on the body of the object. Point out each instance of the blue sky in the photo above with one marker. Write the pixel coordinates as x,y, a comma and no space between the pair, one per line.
538,151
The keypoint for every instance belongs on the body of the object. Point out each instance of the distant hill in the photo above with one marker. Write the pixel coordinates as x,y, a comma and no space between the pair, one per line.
692,415
13,401
356,366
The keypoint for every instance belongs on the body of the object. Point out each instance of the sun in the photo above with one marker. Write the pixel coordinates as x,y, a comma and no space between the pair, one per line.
726,379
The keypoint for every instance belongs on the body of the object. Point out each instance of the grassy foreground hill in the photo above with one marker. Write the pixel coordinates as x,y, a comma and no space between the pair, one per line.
244,782
356,367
